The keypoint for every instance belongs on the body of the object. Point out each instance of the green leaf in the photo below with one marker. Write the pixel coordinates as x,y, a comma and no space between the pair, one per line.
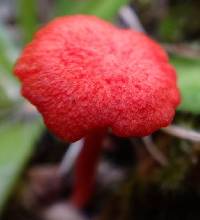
8,54
5,102
16,146
4,60
5,49
28,18
64,7
106,9
8,51
189,82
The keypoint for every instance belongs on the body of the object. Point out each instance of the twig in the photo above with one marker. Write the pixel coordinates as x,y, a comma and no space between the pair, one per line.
181,132
183,50
154,151
130,18
70,157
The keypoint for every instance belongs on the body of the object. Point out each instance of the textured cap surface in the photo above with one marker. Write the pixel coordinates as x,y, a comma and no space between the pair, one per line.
83,73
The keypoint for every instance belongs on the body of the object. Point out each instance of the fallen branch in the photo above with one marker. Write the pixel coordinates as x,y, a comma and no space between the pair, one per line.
154,151
183,133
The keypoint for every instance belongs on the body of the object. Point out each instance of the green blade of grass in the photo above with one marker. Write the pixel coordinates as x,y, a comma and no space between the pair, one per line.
28,18
8,54
6,49
4,60
106,9
16,146
188,71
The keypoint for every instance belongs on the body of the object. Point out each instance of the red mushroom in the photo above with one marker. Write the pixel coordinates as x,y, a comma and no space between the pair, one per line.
85,75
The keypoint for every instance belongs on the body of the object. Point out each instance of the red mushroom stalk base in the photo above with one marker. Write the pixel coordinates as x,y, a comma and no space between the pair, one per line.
85,168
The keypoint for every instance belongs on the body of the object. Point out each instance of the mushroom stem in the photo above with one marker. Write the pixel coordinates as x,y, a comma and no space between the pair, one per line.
85,168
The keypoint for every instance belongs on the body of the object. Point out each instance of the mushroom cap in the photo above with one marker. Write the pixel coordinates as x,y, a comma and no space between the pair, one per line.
83,73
